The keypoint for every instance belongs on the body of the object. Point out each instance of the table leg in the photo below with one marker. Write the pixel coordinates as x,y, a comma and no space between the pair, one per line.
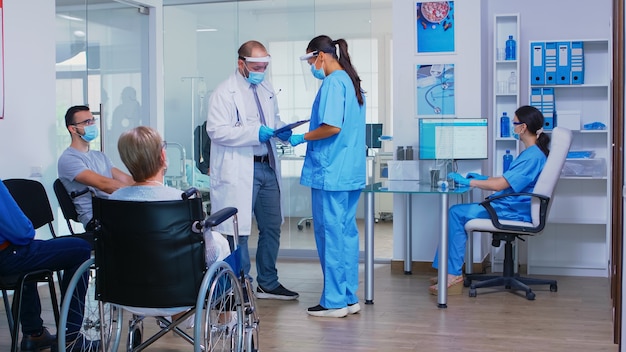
443,255
408,248
369,248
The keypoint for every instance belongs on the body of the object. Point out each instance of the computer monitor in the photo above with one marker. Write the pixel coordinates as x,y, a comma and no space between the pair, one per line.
373,131
452,138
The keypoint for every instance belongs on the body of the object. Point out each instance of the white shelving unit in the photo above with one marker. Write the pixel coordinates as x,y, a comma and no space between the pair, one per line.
578,236
506,100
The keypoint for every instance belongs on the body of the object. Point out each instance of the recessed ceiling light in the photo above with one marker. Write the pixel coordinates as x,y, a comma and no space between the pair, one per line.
206,30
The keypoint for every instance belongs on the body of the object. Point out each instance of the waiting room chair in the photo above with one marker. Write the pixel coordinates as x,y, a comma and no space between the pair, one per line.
31,197
508,230
67,205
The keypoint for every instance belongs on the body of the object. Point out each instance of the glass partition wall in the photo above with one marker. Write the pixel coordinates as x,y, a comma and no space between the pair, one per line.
101,61
200,51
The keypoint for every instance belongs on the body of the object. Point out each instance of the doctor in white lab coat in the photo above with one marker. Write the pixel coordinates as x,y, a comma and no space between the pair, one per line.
245,170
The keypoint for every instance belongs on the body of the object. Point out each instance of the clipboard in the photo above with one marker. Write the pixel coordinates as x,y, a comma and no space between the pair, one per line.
290,126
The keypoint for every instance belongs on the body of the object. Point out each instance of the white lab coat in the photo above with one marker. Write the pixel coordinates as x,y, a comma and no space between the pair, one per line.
233,132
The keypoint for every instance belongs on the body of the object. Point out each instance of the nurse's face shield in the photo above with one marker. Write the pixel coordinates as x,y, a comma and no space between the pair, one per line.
310,83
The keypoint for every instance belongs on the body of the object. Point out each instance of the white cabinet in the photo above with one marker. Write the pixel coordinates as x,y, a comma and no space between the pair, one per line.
506,98
578,236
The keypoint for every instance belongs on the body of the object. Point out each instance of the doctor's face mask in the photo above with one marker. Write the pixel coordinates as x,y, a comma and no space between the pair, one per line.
256,67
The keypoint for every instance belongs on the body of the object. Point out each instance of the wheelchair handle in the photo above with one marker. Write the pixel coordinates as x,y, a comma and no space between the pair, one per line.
190,193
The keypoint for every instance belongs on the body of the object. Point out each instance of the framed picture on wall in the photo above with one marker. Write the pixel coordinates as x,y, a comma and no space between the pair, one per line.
434,89
434,27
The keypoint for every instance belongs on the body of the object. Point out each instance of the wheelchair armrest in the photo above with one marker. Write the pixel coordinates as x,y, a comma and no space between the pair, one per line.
219,217
543,210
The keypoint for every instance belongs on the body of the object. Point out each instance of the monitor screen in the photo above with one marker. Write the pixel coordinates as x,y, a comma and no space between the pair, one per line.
373,131
452,138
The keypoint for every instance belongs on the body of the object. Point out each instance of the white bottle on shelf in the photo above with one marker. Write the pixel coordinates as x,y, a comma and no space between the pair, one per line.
513,83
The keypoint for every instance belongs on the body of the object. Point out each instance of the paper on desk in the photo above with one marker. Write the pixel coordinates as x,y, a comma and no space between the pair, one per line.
290,126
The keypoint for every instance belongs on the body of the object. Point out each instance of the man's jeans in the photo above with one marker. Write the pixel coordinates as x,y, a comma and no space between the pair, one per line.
266,209
63,253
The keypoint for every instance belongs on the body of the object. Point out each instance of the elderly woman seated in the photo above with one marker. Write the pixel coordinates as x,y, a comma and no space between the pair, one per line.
142,151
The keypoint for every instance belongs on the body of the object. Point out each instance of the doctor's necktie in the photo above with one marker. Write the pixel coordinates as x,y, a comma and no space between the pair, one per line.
270,152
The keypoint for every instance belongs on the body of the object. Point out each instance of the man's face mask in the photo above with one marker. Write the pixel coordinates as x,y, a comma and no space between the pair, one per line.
91,133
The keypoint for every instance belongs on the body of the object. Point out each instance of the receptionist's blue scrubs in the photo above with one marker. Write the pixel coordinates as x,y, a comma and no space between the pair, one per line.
334,168
522,176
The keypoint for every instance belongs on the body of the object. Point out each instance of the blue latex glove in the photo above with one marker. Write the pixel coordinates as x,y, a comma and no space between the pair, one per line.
284,135
458,179
296,139
476,176
265,133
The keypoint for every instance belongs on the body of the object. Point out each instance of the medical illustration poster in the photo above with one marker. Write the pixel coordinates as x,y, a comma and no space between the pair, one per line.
435,90
434,26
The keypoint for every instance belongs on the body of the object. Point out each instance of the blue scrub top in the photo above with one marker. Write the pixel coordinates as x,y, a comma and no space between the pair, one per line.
522,177
336,163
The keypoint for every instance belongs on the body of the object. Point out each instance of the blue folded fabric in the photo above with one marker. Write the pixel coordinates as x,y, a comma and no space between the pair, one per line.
581,154
594,126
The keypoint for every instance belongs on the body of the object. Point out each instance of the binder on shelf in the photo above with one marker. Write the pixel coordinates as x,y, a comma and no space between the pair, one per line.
550,63
577,63
547,108
538,70
563,66
535,98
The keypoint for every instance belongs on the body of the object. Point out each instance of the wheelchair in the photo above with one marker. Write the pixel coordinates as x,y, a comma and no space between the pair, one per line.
150,261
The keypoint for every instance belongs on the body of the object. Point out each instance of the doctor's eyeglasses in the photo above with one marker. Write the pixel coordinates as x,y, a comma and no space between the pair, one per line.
87,122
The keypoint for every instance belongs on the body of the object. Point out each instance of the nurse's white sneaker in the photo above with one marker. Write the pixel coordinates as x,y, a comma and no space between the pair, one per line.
354,308
319,311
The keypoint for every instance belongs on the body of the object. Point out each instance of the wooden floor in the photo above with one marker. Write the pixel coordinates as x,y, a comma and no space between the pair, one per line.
404,317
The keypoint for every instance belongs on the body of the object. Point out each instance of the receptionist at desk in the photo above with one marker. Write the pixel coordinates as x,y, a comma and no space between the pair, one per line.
521,177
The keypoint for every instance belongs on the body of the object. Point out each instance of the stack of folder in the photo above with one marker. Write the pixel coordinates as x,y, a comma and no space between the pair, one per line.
557,63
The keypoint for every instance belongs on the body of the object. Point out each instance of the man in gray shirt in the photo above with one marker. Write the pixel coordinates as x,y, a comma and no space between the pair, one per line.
80,168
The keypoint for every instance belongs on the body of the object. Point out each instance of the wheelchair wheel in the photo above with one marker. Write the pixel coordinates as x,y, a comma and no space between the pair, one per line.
223,316
99,320
251,318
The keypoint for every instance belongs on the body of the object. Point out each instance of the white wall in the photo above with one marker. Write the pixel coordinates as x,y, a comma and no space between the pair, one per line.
27,132
28,128
470,91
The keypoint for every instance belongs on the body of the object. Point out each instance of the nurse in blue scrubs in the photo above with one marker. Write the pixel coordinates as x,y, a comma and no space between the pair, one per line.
334,168
521,177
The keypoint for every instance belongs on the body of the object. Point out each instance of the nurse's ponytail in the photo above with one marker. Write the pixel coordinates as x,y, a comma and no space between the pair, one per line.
339,50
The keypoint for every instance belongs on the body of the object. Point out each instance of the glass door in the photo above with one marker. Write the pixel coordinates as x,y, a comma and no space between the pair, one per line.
102,51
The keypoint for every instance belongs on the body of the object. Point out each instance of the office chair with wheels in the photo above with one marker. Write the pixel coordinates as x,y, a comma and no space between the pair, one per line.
509,230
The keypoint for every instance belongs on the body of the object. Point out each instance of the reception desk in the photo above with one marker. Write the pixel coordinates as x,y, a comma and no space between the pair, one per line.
408,189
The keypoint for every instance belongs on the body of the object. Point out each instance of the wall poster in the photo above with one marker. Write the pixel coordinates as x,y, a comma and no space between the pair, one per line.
434,26
435,90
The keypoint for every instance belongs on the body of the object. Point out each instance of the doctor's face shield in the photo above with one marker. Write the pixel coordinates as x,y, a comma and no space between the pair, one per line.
310,82
254,68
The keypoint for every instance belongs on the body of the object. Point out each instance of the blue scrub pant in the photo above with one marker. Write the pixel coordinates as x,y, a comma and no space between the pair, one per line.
64,253
337,239
458,215
266,209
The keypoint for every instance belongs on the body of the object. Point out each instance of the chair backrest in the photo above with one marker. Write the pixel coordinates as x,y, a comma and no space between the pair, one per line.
65,202
147,253
561,140
32,198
